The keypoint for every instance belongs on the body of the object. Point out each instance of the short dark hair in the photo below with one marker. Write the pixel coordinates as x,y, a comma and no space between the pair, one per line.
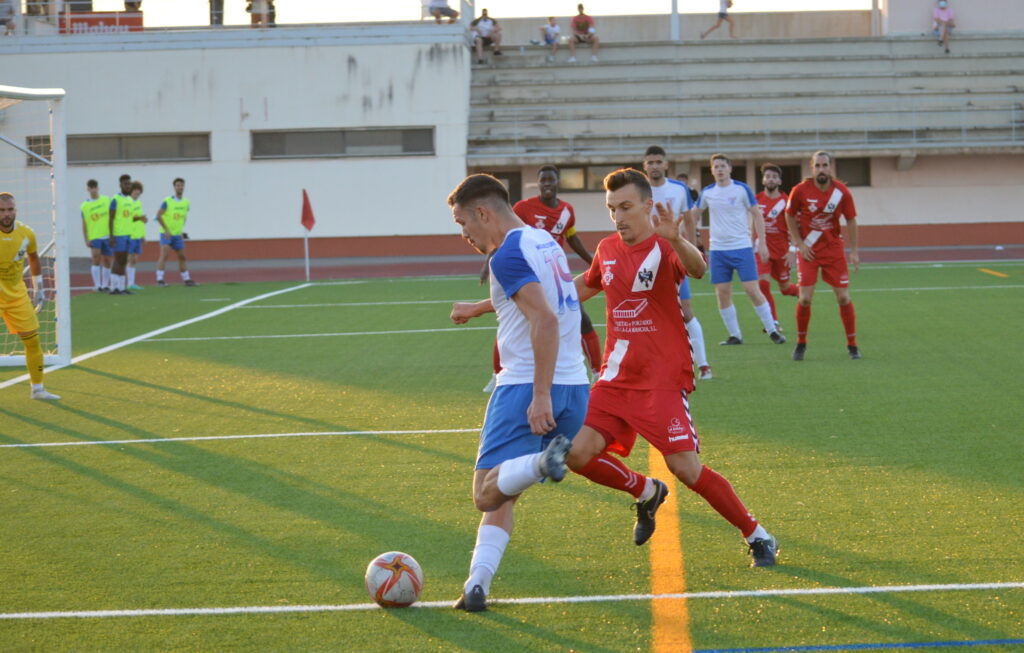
655,149
771,166
549,168
176,180
683,175
720,156
625,176
478,187
137,185
125,177
92,183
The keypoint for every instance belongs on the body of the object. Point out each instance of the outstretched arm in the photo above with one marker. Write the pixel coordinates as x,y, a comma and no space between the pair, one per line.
463,312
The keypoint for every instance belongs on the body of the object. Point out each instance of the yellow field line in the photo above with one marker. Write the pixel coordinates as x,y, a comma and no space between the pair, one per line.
671,616
994,273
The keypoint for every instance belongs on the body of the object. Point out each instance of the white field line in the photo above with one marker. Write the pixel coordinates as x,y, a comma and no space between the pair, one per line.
156,332
250,436
353,607
332,335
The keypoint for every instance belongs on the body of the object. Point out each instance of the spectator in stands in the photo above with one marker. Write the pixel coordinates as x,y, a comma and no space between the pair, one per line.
486,32
216,12
723,17
259,13
133,6
943,22
7,16
440,8
550,33
584,30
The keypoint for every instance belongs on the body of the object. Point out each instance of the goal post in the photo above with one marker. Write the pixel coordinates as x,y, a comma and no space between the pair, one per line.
33,167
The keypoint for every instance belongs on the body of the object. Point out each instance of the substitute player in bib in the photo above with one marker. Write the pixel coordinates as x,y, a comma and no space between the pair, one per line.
138,236
96,229
772,203
122,214
172,216
733,213
812,215
648,372
676,196
541,393
18,244
546,211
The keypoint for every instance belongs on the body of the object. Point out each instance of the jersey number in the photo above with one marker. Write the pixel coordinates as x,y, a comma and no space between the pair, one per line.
560,267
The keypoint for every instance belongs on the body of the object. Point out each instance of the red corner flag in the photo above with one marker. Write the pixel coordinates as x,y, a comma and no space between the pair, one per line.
307,212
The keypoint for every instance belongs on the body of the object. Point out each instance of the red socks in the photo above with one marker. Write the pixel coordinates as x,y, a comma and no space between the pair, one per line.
766,290
592,348
609,471
718,492
803,318
849,317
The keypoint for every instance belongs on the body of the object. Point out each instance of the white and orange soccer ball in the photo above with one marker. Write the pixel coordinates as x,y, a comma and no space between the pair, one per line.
394,579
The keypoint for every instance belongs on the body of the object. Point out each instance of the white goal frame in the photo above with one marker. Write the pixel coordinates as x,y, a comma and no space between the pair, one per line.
58,163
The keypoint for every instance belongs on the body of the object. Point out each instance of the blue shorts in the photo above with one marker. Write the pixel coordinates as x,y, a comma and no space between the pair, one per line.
684,289
121,243
549,41
723,14
102,244
723,262
177,243
506,433
135,245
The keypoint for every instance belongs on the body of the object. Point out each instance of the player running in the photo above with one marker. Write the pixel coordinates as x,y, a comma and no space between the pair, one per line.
546,211
648,372
171,217
812,216
733,211
676,196
18,243
772,203
541,392
96,230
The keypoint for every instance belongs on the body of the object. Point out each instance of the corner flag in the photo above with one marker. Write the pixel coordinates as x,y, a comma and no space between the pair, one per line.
308,221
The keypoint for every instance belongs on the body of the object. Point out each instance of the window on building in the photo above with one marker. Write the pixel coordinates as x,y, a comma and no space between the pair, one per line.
39,145
854,171
125,148
587,178
329,143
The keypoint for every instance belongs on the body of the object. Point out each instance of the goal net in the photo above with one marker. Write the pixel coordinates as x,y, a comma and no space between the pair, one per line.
33,162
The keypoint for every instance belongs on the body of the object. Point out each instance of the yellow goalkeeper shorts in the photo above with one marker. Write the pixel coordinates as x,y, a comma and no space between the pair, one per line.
19,315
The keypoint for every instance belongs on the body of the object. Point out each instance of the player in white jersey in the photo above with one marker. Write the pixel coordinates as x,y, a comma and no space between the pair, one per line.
541,395
733,211
676,196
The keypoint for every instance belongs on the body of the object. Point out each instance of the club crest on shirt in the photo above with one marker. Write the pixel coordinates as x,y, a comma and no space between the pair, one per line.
812,204
608,277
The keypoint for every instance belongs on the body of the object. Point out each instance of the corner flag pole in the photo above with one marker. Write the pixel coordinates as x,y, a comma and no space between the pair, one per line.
307,221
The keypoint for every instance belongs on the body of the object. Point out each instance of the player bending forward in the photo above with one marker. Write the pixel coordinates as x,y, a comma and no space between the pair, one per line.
648,371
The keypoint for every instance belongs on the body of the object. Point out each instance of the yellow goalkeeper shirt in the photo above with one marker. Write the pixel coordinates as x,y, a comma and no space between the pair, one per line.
14,250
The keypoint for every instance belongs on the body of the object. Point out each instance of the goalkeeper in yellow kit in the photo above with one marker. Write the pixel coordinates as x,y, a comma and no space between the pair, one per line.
18,243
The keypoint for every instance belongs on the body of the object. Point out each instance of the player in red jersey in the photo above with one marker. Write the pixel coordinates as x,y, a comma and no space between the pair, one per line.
648,371
812,216
547,212
772,202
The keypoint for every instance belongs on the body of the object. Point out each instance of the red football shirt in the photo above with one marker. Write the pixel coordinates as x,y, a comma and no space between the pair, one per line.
646,347
817,212
556,221
776,233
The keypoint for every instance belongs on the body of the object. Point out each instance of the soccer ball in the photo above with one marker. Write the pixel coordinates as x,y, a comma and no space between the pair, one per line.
394,579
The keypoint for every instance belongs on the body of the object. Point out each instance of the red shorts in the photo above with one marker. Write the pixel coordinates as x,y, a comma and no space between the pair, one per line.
777,267
662,417
832,262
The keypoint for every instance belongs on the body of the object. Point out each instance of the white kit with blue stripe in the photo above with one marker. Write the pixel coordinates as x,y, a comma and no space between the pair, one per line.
730,214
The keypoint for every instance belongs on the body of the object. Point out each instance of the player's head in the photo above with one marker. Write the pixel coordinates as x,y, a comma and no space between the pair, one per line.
551,20
721,167
477,204
580,8
126,184
547,182
771,177
821,167
93,187
655,163
628,197
683,177
136,189
483,13
8,211
179,186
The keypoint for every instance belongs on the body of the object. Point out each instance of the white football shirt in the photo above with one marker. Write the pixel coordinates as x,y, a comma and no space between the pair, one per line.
729,207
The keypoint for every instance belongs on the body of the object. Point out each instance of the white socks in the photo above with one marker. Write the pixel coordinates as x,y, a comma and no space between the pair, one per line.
105,278
97,276
697,342
159,275
732,325
648,490
131,276
759,534
764,311
185,276
490,547
117,282
517,474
